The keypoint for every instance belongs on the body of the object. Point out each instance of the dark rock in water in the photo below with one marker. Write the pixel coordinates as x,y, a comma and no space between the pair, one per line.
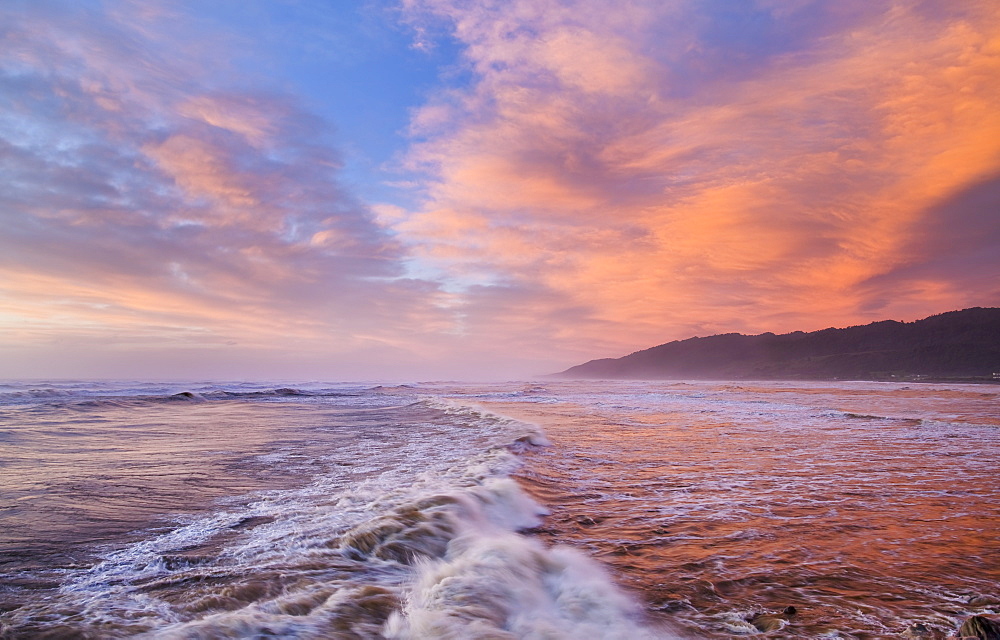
983,601
765,622
768,622
538,531
980,627
187,395
252,521
918,630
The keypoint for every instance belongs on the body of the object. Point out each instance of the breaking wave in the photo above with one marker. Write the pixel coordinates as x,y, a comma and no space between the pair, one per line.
431,548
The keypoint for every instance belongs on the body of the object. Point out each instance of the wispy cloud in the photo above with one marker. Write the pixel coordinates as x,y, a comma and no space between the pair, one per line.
148,204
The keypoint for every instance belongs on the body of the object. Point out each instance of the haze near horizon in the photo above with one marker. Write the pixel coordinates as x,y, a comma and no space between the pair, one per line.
441,189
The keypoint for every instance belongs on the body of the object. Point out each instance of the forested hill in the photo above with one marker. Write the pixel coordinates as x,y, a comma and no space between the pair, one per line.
957,344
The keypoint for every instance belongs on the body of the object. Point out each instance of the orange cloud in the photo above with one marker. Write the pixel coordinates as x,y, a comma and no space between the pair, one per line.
582,163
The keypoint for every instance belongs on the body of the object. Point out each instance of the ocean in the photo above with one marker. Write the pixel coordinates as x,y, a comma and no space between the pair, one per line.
541,510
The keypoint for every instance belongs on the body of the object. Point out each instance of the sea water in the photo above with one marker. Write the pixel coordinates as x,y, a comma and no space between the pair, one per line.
520,510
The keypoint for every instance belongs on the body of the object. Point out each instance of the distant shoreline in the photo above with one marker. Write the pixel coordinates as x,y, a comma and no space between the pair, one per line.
921,380
953,347
941,380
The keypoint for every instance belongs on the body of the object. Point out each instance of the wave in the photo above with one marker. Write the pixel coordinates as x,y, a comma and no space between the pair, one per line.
448,566
95,400
531,434
493,582
428,547
867,416
39,393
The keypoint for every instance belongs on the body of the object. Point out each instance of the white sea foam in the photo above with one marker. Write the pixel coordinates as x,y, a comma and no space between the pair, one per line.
420,540
391,512
494,583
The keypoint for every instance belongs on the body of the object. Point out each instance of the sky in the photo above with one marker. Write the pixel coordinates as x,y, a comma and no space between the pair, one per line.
481,189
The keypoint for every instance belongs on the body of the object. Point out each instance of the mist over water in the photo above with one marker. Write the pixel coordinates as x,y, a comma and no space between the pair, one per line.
555,510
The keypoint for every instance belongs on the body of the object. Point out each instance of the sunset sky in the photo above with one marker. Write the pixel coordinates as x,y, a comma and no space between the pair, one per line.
426,189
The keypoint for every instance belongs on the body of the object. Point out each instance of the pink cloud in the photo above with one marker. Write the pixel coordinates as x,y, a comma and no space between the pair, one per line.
203,170
251,116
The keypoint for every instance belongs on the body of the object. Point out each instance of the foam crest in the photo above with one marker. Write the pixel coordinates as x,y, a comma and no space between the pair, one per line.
494,583
424,539
527,435
347,612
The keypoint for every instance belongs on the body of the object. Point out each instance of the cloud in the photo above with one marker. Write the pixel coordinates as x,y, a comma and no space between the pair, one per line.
950,255
251,116
686,167
593,177
150,205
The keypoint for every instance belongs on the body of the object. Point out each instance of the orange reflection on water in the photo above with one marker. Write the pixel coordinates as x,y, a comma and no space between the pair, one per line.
867,509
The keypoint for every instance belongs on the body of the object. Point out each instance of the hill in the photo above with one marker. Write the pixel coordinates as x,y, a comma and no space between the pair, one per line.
958,344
